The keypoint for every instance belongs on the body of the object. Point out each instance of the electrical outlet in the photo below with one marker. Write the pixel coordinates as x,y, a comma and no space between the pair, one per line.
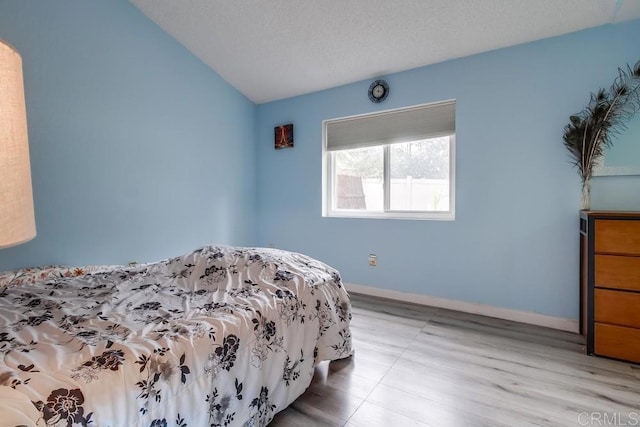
373,260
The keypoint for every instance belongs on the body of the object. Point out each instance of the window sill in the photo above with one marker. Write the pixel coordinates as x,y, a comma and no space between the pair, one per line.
420,216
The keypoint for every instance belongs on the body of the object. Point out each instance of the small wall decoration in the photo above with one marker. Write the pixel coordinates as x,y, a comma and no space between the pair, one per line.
283,136
378,91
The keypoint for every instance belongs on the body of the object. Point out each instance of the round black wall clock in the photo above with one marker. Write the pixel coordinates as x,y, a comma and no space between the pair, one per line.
378,91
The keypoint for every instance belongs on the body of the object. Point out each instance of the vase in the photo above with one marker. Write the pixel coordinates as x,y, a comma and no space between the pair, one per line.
586,195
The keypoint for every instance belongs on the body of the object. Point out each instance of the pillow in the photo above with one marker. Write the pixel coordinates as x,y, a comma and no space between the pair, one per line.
24,276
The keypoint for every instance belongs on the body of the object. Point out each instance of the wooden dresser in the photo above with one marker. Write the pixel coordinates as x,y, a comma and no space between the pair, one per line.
610,283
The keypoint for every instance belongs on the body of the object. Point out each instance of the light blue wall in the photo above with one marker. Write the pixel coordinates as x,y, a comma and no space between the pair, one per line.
514,243
138,150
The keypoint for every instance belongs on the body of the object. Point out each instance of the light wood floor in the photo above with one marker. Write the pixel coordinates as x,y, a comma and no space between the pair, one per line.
422,366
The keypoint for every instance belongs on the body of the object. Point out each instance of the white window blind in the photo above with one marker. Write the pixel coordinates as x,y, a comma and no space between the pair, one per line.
391,127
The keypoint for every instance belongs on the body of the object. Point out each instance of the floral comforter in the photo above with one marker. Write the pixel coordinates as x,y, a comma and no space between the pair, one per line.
221,336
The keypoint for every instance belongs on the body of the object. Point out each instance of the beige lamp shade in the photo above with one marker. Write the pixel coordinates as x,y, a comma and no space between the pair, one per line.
17,220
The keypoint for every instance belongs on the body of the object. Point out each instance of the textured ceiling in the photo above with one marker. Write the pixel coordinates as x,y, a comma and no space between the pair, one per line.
275,49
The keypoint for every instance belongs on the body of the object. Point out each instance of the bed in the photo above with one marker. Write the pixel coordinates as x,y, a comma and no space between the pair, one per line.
221,336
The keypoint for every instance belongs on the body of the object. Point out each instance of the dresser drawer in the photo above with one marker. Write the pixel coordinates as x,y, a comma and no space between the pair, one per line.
617,341
619,272
617,307
617,236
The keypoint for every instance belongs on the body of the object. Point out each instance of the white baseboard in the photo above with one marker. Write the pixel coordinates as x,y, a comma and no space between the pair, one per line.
561,323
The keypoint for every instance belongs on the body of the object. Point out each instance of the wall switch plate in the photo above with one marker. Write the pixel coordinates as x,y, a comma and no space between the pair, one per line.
373,260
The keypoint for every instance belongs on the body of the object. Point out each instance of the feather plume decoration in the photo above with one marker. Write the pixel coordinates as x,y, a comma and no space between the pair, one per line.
590,132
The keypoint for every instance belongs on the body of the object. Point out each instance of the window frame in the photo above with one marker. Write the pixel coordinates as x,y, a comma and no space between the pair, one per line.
328,178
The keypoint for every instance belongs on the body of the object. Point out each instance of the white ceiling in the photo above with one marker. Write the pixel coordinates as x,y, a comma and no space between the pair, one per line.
275,49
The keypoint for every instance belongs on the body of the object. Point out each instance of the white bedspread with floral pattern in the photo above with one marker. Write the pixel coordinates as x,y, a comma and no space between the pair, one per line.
221,336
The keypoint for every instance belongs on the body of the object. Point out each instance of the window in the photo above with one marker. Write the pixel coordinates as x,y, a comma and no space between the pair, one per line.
393,164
